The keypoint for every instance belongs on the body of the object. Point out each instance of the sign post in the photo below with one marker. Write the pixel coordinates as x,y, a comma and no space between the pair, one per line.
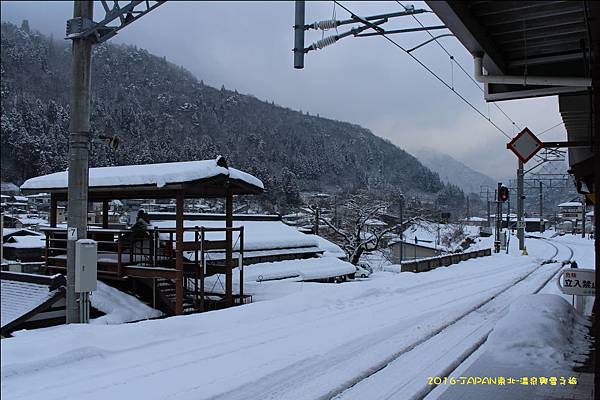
525,145
578,282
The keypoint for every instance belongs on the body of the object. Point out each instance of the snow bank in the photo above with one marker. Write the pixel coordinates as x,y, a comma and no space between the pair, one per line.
150,174
119,307
540,330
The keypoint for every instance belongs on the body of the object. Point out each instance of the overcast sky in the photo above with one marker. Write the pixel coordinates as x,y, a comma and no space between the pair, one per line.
367,81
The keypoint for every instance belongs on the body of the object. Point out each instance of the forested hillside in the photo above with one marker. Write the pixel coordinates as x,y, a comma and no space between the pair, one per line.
158,112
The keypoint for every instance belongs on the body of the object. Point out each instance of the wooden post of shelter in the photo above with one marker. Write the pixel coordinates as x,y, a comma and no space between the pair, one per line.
241,263
229,247
53,210
179,253
105,214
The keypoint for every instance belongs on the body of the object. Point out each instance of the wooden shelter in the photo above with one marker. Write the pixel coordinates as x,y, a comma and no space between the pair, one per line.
173,263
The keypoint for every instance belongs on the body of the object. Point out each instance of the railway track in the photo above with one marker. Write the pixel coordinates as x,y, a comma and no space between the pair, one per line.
479,336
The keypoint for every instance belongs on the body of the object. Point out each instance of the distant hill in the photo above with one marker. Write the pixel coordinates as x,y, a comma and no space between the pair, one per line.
453,171
160,112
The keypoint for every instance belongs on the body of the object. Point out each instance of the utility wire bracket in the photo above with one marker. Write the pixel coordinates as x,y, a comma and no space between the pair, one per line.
79,28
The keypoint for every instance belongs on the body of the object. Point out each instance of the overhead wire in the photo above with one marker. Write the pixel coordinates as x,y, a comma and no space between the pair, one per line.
549,129
435,75
459,65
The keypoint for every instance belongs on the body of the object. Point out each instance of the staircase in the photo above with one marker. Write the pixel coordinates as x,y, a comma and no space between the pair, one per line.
165,297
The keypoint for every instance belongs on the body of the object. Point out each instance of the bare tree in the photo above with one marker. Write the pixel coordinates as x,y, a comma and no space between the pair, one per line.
354,226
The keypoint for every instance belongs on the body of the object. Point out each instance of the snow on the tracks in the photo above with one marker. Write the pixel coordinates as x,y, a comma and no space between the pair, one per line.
308,341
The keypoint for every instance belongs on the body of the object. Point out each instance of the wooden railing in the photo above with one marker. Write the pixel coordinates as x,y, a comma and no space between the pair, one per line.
118,248
427,264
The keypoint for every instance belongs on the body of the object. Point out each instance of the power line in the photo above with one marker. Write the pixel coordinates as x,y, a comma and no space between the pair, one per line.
552,127
435,75
453,59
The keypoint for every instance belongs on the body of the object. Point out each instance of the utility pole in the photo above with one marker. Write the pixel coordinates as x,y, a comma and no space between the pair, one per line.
299,35
78,149
498,219
489,210
317,216
542,227
468,211
84,32
583,207
401,228
520,225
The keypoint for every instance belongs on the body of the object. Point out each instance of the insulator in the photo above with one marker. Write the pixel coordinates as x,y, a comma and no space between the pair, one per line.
327,24
329,40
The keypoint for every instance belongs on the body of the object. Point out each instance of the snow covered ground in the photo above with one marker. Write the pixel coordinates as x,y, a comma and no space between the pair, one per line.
308,341
119,307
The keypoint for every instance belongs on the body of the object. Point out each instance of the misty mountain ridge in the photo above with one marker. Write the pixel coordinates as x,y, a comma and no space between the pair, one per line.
454,171
160,112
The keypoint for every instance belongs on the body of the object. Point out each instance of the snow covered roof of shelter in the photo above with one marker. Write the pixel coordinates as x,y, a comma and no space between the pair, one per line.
21,199
157,175
23,293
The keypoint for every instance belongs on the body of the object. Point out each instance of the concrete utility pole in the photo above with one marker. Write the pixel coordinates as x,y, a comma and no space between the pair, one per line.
81,71
84,32
520,227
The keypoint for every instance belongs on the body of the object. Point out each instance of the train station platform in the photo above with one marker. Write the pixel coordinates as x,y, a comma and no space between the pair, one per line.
521,385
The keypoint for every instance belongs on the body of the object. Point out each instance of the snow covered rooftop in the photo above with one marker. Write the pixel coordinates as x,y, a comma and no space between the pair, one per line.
258,235
301,270
157,175
25,242
330,249
475,219
20,296
570,204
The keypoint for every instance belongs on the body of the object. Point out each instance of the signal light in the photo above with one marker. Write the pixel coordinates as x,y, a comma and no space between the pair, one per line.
503,194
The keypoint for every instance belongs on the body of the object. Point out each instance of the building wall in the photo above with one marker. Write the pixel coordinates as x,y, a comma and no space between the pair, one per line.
411,252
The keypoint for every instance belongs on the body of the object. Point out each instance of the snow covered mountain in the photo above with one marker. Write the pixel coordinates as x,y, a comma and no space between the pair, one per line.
147,110
453,171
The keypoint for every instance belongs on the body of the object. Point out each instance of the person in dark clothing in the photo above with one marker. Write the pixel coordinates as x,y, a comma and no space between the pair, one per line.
574,264
139,230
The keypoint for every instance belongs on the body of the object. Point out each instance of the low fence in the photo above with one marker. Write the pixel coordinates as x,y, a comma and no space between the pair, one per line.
427,264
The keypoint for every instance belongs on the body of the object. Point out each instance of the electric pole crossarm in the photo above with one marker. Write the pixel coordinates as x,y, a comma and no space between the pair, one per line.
406,30
78,28
332,23
329,40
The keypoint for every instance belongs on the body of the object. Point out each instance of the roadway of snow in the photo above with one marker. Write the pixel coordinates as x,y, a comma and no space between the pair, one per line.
308,341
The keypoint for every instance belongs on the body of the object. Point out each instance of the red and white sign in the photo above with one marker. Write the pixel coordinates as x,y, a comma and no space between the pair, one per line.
525,145
577,281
